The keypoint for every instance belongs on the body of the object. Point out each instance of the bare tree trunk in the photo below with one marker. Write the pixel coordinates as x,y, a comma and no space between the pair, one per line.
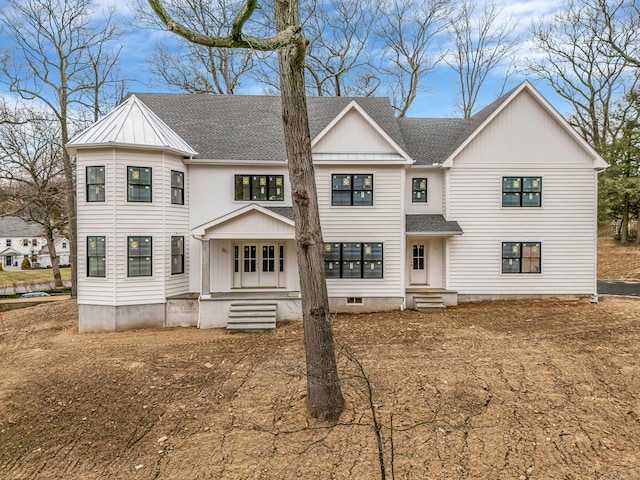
324,396
55,260
624,226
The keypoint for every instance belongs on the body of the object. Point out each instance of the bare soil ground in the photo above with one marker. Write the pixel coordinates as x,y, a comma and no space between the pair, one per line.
505,390
617,261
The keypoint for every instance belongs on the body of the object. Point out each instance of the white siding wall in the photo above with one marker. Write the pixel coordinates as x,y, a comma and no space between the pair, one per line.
158,219
523,141
382,222
434,191
352,134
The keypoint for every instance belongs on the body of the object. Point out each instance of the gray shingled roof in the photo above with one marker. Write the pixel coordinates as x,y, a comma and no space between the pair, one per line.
13,227
431,224
286,212
249,128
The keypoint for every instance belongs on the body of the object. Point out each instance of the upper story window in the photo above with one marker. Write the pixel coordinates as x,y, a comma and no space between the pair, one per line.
348,189
353,260
139,251
521,257
8,242
177,255
64,244
95,184
419,190
177,187
521,191
25,242
34,242
259,188
96,257
139,184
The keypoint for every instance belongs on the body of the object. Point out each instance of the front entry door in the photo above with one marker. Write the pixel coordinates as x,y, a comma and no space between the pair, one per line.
258,265
418,267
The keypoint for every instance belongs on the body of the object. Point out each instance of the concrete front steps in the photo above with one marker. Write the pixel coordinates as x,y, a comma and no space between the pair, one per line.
429,302
252,316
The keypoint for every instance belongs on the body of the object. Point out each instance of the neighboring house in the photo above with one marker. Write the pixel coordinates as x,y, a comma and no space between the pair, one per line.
185,217
19,239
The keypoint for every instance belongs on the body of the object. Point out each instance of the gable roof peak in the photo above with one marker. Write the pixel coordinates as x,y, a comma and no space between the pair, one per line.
132,124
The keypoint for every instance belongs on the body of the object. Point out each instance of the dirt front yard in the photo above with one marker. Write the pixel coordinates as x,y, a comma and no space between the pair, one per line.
520,390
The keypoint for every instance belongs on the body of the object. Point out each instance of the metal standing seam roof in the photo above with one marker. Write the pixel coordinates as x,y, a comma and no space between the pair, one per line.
430,223
132,123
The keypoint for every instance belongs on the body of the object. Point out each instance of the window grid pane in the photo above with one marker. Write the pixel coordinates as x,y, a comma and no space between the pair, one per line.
353,260
139,251
521,191
259,188
177,255
96,257
177,188
356,189
139,184
419,190
522,257
95,184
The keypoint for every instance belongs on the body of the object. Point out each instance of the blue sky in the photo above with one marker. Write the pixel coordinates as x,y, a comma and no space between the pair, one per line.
438,100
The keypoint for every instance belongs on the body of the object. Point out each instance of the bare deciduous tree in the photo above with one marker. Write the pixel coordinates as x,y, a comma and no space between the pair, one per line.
196,68
482,43
583,69
339,53
622,27
408,31
31,164
56,47
324,396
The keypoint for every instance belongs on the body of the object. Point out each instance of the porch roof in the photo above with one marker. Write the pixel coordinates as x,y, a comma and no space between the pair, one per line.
10,251
431,224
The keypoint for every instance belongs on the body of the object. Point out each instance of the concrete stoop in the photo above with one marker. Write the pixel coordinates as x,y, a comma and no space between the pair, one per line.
252,316
429,302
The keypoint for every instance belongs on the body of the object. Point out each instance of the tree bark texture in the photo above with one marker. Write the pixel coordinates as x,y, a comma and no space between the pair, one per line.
55,259
324,396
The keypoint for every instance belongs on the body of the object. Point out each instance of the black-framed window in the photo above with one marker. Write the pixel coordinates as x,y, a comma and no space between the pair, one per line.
521,257
8,242
177,255
521,191
139,181
259,188
351,189
353,260
95,182
177,187
419,190
139,254
96,256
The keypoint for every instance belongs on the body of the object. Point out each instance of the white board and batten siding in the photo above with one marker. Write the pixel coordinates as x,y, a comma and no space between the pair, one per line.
381,223
523,141
117,219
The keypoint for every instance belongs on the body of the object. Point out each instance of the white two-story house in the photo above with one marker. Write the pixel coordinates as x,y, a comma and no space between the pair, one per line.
185,217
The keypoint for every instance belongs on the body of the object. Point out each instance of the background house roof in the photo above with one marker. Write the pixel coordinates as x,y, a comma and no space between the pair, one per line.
249,127
14,227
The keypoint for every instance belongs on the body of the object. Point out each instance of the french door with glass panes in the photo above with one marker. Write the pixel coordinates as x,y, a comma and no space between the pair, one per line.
257,265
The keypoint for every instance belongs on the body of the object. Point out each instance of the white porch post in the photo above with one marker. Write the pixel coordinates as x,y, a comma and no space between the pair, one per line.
205,257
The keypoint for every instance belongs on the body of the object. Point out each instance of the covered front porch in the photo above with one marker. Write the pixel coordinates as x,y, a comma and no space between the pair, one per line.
426,260
248,269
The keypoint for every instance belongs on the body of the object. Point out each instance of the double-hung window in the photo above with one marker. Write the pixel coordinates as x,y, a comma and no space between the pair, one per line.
419,190
177,255
177,187
351,189
521,191
95,184
139,184
139,253
353,260
521,257
259,188
96,256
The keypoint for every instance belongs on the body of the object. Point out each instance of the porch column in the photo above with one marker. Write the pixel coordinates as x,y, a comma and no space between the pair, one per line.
205,257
